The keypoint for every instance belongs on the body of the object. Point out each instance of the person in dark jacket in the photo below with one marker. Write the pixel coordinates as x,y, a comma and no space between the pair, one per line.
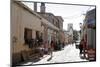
52,47
81,47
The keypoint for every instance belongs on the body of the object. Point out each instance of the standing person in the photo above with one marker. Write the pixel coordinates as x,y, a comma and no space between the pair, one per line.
45,47
51,49
52,46
81,47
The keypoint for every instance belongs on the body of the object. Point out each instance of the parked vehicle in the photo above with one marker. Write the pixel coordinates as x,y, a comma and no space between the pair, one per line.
89,36
90,44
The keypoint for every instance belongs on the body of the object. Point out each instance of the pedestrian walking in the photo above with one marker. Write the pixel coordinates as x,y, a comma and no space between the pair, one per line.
51,50
52,46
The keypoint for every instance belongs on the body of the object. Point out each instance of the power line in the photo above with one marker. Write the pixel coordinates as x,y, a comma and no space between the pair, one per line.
74,16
